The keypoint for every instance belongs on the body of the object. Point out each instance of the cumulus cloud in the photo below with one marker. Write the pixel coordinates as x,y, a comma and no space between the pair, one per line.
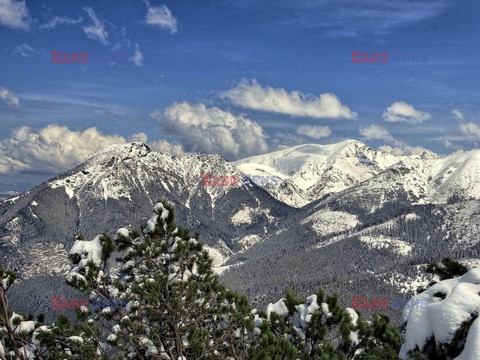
139,137
314,132
137,57
161,16
212,130
471,130
252,95
458,115
165,147
450,145
25,50
97,29
52,24
402,112
375,132
14,14
9,98
52,149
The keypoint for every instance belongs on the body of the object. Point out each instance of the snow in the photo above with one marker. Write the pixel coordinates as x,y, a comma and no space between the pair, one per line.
122,231
88,250
306,310
76,339
247,214
42,253
216,255
93,249
63,183
310,171
220,269
326,310
353,314
249,240
315,170
25,326
279,307
15,228
411,216
471,350
353,336
444,317
163,212
34,203
151,223
329,222
380,241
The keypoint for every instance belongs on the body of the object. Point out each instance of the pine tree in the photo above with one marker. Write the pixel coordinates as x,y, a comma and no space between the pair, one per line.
448,269
318,328
176,306
16,331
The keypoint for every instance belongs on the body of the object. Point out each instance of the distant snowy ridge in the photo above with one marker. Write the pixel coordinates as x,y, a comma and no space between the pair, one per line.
309,172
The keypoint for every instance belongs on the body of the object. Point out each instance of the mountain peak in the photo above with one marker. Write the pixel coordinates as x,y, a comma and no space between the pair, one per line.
128,150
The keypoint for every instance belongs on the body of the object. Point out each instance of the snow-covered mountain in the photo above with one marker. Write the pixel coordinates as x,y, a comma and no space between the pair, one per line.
310,171
118,187
372,237
368,218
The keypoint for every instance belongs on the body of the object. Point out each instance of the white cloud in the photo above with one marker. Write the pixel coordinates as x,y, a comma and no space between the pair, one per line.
10,99
402,112
14,14
52,149
97,29
161,16
471,130
165,147
212,130
458,115
375,132
139,137
52,24
25,50
137,57
314,132
450,145
252,95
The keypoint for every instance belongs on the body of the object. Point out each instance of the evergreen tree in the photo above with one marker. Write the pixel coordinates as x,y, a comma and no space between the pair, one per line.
319,328
176,306
448,269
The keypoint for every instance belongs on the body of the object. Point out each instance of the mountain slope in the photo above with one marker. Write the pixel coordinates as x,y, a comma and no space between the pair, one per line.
370,239
118,187
312,171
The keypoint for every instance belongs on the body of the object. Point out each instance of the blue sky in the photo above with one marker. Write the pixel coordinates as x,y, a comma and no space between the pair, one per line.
237,78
